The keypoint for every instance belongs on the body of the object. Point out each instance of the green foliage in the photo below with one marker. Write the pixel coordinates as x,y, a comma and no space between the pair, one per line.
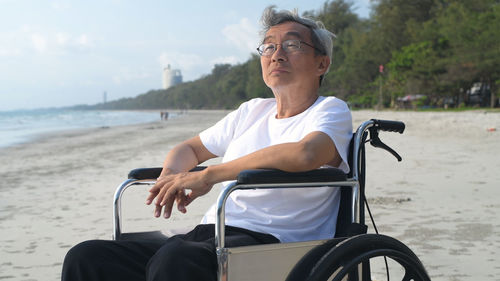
437,48
362,100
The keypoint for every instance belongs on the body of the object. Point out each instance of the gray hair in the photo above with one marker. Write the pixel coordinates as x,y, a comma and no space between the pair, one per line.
321,38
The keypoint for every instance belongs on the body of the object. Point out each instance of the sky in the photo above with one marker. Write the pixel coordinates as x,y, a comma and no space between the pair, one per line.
62,53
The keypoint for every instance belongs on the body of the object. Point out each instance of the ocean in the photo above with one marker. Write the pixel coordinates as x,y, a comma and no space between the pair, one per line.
23,125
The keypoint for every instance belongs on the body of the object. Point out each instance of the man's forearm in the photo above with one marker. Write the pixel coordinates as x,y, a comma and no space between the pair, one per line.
305,155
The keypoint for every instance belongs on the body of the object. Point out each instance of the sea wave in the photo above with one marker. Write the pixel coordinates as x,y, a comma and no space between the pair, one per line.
23,125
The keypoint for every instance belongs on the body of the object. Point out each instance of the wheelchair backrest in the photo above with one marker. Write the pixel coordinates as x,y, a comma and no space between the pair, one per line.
344,226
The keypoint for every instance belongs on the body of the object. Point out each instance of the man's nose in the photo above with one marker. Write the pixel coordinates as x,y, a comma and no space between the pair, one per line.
279,54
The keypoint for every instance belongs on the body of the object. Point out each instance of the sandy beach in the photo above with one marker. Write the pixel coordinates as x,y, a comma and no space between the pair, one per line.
441,200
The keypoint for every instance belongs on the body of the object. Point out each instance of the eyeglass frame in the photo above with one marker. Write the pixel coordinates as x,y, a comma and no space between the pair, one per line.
285,49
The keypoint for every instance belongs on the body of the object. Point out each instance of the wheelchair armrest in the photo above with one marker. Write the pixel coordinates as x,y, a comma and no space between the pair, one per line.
152,173
144,173
259,176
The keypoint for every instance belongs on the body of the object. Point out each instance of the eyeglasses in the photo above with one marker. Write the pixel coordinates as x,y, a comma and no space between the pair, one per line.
289,46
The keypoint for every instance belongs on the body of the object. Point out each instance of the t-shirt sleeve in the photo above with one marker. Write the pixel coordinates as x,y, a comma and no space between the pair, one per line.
333,118
217,138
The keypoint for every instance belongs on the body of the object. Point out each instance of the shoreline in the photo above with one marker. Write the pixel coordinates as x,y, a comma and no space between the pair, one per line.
25,135
179,112
441,200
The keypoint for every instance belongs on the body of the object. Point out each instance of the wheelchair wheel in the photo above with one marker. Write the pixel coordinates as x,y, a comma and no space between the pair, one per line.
344,260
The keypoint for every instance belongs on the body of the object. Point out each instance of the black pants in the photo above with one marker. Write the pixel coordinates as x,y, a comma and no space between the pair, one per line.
186,257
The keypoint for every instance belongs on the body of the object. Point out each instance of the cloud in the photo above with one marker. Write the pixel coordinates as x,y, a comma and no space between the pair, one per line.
224,60
62,38
130,74
77,42
243,35
83,40
9,52
180,60
61,42
39,42
60,5
15,42
192,66
26,28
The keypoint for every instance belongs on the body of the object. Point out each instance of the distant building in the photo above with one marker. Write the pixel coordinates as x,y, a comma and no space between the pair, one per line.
171,77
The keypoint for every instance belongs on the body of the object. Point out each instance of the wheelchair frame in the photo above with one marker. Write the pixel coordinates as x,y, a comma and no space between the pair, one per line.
310,260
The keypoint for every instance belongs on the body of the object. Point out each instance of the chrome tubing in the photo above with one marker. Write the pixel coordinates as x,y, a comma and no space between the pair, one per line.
117,204
358,139
224,195
355,208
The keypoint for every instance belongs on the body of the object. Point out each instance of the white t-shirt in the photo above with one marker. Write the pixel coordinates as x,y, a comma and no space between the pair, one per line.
289,214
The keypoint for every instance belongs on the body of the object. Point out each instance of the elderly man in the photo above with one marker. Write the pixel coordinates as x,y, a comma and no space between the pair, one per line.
295,131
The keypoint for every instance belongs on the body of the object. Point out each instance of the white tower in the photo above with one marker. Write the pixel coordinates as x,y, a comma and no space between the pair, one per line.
171,77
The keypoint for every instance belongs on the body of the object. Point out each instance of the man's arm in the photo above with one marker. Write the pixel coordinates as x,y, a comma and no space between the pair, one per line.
314,150
186,156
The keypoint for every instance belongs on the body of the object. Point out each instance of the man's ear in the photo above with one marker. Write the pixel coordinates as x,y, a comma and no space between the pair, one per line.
323,64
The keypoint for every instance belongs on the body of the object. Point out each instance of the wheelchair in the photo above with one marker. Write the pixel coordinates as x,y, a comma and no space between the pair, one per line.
349,255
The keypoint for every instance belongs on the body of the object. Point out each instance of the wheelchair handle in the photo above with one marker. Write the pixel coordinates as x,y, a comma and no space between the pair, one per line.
389,125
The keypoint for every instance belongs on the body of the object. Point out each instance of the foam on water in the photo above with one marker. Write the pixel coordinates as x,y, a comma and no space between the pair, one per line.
22,125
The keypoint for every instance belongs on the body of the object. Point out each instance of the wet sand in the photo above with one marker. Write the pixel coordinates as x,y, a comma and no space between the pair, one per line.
442,200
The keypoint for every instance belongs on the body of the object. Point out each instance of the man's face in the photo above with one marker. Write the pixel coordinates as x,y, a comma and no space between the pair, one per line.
298,69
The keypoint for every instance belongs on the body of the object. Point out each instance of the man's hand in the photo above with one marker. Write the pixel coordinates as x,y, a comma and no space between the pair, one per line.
172,187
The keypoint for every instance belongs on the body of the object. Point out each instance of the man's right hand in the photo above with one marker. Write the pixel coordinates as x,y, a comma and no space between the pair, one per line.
173,187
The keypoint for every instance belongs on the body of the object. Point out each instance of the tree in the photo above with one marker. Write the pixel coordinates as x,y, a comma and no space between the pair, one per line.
473,31
433,47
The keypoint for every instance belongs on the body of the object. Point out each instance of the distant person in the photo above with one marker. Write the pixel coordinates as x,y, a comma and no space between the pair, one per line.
297,130
164,115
